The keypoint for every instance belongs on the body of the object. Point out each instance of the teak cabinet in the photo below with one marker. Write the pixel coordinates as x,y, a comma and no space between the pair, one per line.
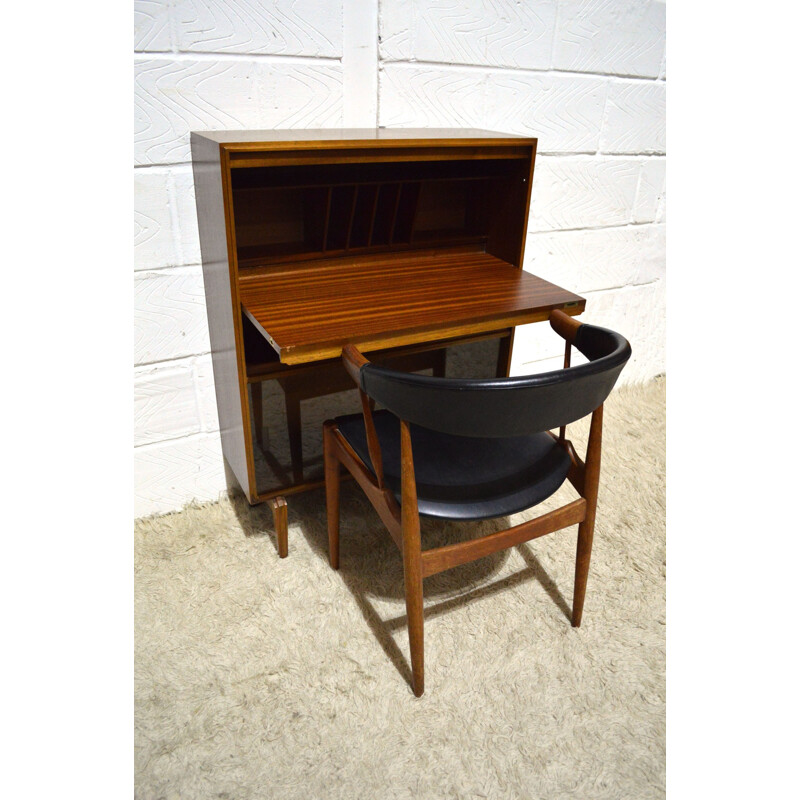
404,242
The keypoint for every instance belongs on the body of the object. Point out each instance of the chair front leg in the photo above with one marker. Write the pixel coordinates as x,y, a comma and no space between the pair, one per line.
332,483
584,555
586,528
412,561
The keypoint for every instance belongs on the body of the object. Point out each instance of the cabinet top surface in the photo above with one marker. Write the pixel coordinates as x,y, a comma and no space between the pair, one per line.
376,136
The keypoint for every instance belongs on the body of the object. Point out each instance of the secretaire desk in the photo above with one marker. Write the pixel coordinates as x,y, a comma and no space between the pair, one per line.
403,242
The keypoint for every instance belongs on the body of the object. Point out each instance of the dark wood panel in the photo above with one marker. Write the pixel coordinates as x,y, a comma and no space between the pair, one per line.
301,176
387,301
300,212
264,157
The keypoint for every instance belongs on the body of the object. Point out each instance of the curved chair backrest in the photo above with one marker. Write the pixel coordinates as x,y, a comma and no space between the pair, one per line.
501,407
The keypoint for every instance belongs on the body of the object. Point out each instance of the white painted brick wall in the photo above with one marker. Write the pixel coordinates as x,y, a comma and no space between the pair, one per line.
635,119
503,34
175,97
170,474
165,218
583,192
610,37
587,77
594,260
174,399
281,27
170,315
564,111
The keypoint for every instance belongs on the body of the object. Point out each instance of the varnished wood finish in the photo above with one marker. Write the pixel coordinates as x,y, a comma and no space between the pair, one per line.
382,499
586,528
376,302
577,470
258,372
288,491
566,327
453,555
373,445
332,481
280,518
567,360
412,559
385,238
327,378
274,147
403,523
353,360
271,158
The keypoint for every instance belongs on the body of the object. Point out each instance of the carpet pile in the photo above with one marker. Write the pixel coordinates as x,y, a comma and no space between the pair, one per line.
260,677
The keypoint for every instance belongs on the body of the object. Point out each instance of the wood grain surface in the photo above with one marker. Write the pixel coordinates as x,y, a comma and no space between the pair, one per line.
374,302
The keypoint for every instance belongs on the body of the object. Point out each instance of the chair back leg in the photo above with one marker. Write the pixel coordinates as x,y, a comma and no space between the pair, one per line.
586,528
412,561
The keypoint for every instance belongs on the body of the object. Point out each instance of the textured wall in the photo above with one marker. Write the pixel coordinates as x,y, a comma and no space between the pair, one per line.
587,77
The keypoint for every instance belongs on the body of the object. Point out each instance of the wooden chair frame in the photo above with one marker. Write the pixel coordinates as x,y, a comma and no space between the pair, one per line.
403,523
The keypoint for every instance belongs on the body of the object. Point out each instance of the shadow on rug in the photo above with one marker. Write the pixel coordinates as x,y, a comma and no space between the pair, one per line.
264,677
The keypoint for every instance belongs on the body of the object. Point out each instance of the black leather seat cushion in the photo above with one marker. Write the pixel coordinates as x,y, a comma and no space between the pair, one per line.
462,477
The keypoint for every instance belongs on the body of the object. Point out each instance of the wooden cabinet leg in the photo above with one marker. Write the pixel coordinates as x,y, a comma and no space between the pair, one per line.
280,517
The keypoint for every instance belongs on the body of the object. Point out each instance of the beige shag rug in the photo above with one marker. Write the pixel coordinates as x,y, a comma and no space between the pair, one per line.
257,677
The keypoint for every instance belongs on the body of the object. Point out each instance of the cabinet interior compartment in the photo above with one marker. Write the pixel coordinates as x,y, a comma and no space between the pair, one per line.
305,212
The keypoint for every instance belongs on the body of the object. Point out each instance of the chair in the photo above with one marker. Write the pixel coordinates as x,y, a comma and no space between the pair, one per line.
304,383
472,450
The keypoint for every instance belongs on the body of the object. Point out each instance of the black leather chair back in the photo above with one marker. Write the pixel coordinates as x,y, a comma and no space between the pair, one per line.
500,407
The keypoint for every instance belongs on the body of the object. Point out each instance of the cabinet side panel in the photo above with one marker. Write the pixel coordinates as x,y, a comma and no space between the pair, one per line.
217,279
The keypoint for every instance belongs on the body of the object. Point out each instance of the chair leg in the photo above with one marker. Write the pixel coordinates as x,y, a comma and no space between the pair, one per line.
585,536
412,562
332,482
412,569
586,528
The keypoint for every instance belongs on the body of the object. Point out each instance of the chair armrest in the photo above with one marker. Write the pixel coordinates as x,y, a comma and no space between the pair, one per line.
564,325
353,361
